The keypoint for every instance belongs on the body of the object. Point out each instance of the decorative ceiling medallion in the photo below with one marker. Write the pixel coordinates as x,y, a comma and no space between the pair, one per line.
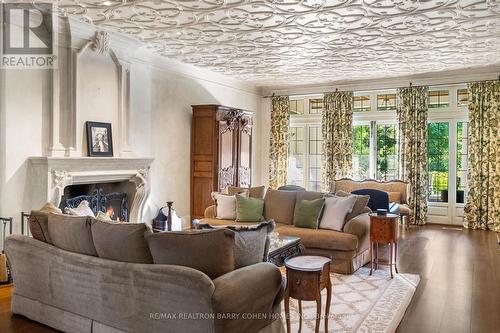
291,42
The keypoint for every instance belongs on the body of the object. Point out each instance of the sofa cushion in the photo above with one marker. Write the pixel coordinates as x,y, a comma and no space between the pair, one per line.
209,251
72,233
308,213
38,222
253,192
335,212
359,205
121,241
279,206
320,238
251,242
83,209
305,195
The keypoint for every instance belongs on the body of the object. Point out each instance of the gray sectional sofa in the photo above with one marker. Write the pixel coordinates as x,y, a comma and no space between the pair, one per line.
74,292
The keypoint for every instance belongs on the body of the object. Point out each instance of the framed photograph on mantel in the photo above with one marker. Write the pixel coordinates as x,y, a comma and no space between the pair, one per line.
99,139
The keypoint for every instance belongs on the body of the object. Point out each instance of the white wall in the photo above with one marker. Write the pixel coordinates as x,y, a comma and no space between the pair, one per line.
161,95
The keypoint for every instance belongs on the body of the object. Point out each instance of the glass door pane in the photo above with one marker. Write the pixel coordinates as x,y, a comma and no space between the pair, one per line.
315,142
462,154
386,152
361,151
295,172
438,154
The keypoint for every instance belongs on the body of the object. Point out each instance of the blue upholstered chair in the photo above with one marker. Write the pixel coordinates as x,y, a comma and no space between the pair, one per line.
291,188
378,200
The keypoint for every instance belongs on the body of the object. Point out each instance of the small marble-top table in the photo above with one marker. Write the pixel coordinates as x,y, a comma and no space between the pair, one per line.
306,276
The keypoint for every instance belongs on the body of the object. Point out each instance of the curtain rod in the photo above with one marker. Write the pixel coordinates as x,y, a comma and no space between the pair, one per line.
374,89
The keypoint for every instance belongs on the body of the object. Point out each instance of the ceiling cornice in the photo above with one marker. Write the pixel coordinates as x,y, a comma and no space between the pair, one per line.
428,79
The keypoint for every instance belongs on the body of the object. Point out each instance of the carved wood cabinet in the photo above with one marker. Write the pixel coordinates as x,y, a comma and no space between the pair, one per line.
221,152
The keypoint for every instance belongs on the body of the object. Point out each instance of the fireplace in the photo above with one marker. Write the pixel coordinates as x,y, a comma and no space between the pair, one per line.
109,198
118,183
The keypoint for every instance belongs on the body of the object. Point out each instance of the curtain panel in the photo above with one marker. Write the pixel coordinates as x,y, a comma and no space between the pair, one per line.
278,154
482,209
336,129
412,109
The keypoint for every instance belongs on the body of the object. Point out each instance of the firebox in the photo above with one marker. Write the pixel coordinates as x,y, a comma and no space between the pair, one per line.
107,198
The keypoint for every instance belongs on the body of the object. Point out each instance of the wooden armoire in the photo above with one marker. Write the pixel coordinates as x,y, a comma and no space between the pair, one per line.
221,152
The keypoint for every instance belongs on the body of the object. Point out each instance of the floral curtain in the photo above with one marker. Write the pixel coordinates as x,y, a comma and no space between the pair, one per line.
278,155
412,147
337,137
482,209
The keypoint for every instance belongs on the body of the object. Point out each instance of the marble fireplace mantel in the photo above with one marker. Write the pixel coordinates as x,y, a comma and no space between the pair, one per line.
50,175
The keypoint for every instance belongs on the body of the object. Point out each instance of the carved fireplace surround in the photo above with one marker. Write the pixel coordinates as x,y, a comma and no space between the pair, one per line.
50,175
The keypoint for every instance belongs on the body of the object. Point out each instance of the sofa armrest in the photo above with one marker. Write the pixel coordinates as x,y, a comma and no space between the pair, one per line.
358,226
210,212
248,294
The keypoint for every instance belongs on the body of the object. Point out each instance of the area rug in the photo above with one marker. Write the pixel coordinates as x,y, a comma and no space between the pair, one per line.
360,303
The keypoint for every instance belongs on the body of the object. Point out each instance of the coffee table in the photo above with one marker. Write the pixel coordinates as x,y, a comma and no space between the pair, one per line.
286,247
306,276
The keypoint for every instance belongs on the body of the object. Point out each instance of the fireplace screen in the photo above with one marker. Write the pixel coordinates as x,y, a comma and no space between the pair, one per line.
113,204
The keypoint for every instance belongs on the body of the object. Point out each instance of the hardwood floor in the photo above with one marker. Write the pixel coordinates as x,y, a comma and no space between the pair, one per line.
459,289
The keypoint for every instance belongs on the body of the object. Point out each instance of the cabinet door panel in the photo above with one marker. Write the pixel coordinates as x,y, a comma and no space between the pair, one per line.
226,156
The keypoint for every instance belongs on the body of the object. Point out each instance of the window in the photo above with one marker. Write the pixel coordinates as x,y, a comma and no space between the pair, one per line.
316,105
438,153
386,102
361,151
297,106
439,99
315,142
462,97
361,103
386,152
462,153
295,172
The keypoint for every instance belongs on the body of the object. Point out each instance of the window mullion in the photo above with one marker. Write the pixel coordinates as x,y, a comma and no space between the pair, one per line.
373,149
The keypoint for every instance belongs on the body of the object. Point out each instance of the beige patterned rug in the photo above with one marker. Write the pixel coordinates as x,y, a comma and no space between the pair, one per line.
360,303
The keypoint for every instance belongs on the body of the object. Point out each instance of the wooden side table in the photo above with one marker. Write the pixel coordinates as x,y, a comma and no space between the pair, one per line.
306,276
383,229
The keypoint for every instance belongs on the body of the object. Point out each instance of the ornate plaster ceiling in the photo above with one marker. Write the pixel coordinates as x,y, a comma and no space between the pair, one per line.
289,42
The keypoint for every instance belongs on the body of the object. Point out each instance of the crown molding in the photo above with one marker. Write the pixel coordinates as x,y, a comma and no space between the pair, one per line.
429,79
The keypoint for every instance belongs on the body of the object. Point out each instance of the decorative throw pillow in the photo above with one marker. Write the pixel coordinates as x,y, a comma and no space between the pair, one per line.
359,205
249,209
253,192
225,206
306,195
72,233
335,212
251,242
38,222
102,216
121,241
83,209
209,251
309,213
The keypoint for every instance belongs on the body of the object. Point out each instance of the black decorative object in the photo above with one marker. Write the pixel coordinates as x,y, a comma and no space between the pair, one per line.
381,212
160,220
115,203
99,139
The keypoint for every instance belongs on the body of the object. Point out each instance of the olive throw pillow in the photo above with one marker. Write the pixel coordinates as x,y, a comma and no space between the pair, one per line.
308,213
249,209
